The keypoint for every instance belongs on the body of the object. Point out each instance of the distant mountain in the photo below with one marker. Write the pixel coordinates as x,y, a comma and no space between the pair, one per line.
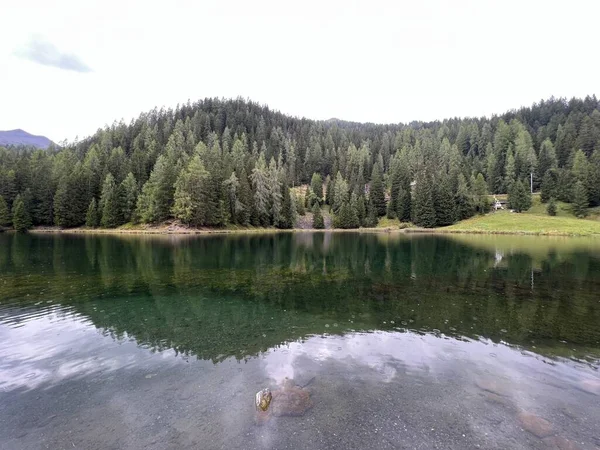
21,137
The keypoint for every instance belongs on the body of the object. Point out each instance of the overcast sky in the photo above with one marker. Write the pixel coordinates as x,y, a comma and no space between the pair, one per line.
70,67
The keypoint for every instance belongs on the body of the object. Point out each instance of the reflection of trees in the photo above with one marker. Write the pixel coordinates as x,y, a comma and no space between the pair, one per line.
238,295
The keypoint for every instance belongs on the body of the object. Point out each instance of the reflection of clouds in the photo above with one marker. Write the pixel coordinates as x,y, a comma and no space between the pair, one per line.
392,355
45,350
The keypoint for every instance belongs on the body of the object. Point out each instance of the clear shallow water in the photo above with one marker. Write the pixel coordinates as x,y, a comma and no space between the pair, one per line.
407,342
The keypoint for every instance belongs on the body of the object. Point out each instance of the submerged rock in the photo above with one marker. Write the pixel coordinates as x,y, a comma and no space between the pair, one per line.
535,425
560,443
289,400
493,386
591,385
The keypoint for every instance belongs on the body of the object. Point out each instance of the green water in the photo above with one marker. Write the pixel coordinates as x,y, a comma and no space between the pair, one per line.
407,342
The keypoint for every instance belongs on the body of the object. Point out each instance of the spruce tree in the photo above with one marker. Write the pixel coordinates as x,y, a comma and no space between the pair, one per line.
423,209
549,185
5,218
580,200
594,178
316,185
260,184
91,218
110,205
444,204
519,197
287,208
245,198
128,191
300,209
340,192
21,217
318,222
551,208
346,217
376,191
156,199
232,185
463,200
371,218
391,210
191,191
329,191
361,211
480,194
354,219
404,204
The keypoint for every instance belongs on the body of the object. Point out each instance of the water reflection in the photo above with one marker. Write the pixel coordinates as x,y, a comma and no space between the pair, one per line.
216,297
410,341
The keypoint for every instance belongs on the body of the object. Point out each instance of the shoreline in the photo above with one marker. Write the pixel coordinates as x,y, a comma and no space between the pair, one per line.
203,231
213,231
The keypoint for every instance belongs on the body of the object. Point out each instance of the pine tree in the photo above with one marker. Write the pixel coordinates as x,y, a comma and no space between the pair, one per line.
340,192
300,209
329,191
128,191
519,197
444,203
21,217
245,198
260,183
191,190
480,194
594,178
547,158
287,208
390,212
549,185
156,199
5,218
232,185
318,222
510,170
110,206
275,197
580,200
361,211
371,218
346,217
316,185
404,204
71,199
463,200
91,218
551,208
376,191
423,212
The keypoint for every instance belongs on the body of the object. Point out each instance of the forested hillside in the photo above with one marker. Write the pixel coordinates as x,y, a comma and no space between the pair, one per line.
219,162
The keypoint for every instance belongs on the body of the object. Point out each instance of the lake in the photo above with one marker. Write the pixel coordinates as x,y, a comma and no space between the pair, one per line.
420,342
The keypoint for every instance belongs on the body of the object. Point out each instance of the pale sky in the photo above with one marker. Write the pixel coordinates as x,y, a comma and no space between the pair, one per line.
70,67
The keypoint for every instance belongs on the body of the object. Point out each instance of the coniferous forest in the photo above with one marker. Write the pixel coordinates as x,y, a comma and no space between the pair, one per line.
218,162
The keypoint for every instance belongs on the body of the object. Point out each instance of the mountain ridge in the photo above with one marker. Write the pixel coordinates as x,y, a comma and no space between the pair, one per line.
19,137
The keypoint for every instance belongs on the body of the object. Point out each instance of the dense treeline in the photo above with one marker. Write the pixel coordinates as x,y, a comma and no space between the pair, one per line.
218,162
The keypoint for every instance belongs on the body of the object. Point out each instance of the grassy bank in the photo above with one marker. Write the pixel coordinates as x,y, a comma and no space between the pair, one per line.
505,222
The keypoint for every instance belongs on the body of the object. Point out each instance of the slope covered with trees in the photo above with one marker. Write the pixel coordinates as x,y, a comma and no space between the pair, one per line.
218,162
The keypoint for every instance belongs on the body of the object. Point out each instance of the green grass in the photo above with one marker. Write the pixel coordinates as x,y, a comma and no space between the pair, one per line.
539,209
531,222
384,222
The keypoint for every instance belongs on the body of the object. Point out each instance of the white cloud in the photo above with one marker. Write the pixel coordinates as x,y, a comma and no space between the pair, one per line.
367,61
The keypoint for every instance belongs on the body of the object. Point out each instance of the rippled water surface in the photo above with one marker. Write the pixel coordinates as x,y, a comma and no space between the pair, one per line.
418,342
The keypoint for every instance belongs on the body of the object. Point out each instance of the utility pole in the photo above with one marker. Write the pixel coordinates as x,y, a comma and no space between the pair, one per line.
531,181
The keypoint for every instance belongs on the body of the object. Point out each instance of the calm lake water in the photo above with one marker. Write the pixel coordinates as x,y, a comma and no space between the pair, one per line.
422,342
